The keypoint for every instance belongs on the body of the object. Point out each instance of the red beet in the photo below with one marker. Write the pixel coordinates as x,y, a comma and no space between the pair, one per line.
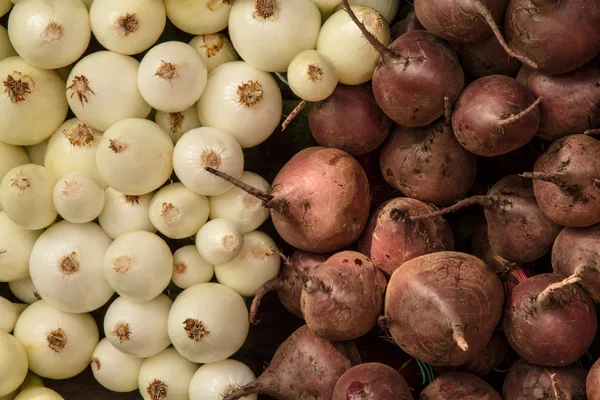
487,57
349,120
481,247
407,24
304,367
459,385
549,323
372,381
527,381
593,382
442,308
390,238
495,115
380,190
559,36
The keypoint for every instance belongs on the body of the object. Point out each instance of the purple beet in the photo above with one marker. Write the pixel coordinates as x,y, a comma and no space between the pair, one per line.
495,115
489,358
548,322
593,382
407,24
481,247
349,120
528,381
390,238
459,385
372,381
487,57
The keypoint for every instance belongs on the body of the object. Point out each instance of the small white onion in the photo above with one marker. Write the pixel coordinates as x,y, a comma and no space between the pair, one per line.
268,34
102,90
138,329
219,241
114,369
387,8
24,290
66,267
312,76
37,152
59,345
127,27
135,156
177,212
38,393
78,198
215,49
72,148
199,17
13,363
178,123
243,101
34,104
125,213
208,322
216,380
257,263
49,34
344,44
138,265
16,244
26,196
11,156
166,373
9,313
207,147
172,76
189,268
6,48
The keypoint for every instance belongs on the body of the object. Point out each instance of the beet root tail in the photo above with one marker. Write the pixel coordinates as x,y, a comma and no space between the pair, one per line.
246,390
484,201
556,179
297,110
266,198
522,114
459,337
545,297
271,285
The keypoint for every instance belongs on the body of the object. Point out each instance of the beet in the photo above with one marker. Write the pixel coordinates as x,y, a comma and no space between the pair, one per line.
373,381
559,36
571,101
527,381
303,367
442,308
487,57
319,200
342,297
481,248
380,190
566,181
428,163
406,24
495,115
489,358
390,238
349,120
459,385
593,382
549,323
414,75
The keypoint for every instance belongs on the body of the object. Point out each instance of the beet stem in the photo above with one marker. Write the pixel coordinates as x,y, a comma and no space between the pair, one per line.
271,285
381,49
447,111
266,198
522,114
545,297
293,114
459,337
556,179
250,388
592,132
485,13
484,201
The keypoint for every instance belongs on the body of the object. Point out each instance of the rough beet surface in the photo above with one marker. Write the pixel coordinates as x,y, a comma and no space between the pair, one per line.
487,57
406,24
459,385
442,308
372,381
489,358
549,325
390,238
593,382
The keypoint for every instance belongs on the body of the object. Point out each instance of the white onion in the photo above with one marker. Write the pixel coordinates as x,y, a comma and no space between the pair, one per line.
219,241
9,313
78,198
5,6
38,393
135,156
177,212
243,101
257,263
6,48
243,208
114,369
24,290
268,34
66,267
26,196
167,375
387,8
102,90
207,147
11,396
199,17
138,329
37,152
11,156
16,244
49,34
59,345
72,148
138,265
215,49
344,44
216,380
13,363
312,76
127,27
125,213
178,123
172,76
208,322
189,268
34,104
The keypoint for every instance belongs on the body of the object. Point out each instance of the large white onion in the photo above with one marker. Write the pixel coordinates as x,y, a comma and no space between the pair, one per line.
124,213
199,17
114,369
16,244
167,375
214,381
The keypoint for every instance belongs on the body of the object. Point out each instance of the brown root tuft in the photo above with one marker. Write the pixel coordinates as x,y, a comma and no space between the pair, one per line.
195,329
126,24
157,390
80,135
52,32
21,182
80,86
167,70
118,145
69,264
175,121
264,9
250,93
122,332
18,86
57,340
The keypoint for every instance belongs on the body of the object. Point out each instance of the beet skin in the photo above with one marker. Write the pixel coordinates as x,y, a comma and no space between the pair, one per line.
459,385
372,381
